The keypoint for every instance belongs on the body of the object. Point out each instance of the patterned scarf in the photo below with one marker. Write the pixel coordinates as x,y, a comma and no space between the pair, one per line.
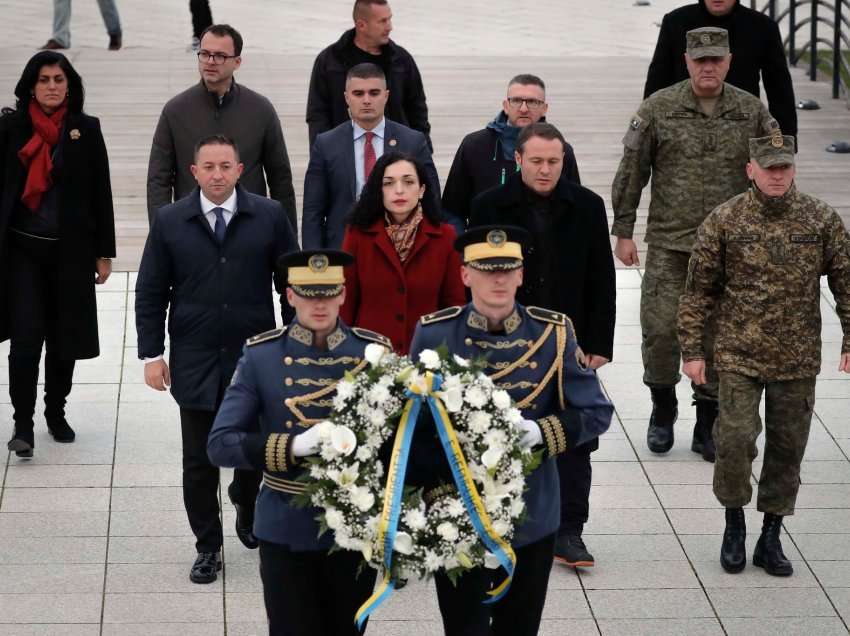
35,155
402,235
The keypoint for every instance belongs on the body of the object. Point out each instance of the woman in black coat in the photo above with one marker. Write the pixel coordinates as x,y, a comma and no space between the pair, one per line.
57,236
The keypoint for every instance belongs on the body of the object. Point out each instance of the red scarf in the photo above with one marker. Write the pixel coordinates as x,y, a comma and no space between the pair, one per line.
35,155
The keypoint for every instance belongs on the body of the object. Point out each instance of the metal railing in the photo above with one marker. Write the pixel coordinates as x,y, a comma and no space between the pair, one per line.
817,18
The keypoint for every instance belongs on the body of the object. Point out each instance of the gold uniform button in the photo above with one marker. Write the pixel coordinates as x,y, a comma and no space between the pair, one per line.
287,381
532,364
289,424
287,360
467,341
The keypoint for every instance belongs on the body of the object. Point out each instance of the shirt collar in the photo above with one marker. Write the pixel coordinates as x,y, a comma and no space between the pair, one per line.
229,205
378,130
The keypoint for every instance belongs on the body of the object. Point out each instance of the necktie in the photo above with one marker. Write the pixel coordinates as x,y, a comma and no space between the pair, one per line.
220,225
369,157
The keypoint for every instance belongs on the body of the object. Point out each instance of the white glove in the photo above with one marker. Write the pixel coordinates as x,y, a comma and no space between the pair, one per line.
531,434
307,443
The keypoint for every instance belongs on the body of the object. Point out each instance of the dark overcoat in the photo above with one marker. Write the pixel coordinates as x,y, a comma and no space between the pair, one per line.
86,223
217,295
587,291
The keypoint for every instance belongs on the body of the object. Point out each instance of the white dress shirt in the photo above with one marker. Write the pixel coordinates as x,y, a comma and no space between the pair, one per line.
360,150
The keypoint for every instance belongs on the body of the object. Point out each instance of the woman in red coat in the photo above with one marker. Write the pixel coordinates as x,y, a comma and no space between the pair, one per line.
404,263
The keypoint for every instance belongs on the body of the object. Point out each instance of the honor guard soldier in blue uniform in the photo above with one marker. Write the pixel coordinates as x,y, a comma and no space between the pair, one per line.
533,355
287,377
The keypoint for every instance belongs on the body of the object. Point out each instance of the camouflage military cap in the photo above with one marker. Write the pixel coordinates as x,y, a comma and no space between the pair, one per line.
707,42
773,150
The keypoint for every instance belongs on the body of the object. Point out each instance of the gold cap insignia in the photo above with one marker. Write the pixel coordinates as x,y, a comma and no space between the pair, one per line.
497,238
705,38
318,263
393,142
74,134
776,142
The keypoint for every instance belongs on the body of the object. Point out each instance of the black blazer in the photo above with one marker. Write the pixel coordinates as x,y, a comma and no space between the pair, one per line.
588,291
216,296
330,183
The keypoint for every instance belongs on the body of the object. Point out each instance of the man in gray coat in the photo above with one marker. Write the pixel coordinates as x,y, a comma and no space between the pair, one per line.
218,105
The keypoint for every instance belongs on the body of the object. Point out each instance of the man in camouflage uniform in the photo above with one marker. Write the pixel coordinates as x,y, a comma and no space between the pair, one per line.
756,264
692,139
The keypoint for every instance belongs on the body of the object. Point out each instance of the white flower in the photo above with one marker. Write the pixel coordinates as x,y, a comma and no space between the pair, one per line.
325,429
514,416
475,397
495,438
333,518
378,394
461,362
363,454
348,475
372,525
501,399
377,417
433,561
479,421
517,506
448,531
403,543
373,354
362,498
455,508
343,440
418,383
452,399
430,359
485,380
501,527
342,538
345,389
492,456
491,561
415,519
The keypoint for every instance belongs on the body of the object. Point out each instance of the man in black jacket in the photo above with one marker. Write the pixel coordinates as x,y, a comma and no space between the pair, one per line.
756,47
568,268
369,41
485,158
209,262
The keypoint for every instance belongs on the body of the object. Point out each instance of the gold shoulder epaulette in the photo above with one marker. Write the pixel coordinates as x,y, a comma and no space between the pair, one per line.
372,336
266,336
443,314
547,315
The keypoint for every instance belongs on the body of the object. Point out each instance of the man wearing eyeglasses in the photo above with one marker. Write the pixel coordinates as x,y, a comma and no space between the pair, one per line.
485,158
217,105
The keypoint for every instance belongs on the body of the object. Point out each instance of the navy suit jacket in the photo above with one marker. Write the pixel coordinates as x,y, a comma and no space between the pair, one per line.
331,182
217,296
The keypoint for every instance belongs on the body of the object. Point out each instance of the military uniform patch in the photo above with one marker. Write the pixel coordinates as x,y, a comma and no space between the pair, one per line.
443,314
265,336
633,134
372,336
547,315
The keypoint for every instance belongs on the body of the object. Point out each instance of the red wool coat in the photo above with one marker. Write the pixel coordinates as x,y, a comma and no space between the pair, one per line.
389,297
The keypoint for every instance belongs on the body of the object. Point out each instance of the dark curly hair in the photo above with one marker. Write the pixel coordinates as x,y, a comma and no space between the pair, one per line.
29,78
370,206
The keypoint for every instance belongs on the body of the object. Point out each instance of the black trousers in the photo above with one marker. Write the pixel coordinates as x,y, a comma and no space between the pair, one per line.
200,481
33,294
575,475
201,16
313,593
517,614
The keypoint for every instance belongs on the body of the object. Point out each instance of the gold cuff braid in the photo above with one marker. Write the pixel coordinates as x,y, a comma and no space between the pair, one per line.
553,435
276,457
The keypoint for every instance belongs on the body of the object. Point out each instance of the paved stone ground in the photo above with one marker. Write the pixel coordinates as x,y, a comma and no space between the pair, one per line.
93,538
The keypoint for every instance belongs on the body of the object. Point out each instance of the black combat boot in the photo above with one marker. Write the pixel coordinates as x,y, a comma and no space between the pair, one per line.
571,551
665,411
768,553
703,442
733,551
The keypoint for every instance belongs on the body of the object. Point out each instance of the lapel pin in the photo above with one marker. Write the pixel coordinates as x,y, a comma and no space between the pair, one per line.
75,134
393,142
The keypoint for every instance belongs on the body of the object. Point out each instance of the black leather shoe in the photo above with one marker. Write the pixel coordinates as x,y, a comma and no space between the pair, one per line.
206,567
245,527
703,442
22,442
768,553
665,412
571,551
733,551
61,431
114,42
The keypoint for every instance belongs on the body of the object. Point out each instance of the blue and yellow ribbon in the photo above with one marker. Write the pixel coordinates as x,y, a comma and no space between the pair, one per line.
463,479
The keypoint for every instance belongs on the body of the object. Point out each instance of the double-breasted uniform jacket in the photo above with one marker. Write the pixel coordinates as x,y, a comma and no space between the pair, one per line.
86,224
289,383
535,360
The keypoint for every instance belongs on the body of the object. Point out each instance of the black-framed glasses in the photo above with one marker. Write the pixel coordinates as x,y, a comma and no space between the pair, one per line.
217,58
532,102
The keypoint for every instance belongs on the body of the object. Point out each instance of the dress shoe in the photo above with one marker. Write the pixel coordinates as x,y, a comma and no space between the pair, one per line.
206,567
733,551
60,430
245,527
53,45
703,441
768,553
571,551
115,42
22,442
665,411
